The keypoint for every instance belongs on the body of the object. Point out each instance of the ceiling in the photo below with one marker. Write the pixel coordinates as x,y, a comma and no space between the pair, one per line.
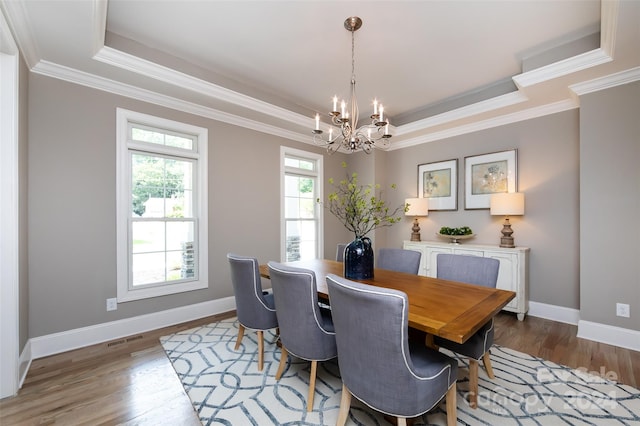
441,68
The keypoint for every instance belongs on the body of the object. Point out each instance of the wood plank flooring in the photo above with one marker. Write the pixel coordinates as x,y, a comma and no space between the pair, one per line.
131,381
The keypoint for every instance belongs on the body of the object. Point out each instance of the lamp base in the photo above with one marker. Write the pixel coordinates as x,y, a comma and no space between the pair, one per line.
506,240
415,235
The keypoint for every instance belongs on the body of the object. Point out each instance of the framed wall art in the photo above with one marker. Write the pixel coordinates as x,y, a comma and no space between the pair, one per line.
488,174
439,183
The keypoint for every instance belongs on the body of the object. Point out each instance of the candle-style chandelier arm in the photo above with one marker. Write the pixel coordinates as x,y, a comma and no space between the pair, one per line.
348,135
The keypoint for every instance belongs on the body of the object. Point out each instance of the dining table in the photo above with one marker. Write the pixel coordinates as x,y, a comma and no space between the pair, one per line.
448,309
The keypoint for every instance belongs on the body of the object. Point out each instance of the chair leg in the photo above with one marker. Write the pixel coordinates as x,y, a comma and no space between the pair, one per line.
240,335
473,383
486,359
452,414
276,339
345,404
260,349
283,361
402,421
312,385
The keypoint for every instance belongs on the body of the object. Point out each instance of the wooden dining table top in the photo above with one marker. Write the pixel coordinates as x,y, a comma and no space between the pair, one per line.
449,309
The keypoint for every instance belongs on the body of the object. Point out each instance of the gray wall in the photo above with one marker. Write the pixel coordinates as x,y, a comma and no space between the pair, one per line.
548,175
610,205
334,232
71,201
72,245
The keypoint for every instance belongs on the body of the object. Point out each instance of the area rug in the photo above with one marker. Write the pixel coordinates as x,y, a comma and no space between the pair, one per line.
226,387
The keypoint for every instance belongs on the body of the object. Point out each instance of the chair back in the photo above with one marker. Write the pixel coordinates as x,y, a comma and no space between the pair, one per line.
468,269
305,331
340,252
399,260
375,362
254,309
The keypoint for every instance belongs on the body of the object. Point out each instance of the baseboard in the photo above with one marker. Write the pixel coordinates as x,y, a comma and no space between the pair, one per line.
81,337
554,313
24,362
603,333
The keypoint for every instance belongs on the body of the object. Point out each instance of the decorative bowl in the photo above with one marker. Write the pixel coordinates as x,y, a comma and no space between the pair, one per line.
455,239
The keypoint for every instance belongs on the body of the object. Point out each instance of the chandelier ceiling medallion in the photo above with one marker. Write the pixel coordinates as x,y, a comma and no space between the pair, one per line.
348,136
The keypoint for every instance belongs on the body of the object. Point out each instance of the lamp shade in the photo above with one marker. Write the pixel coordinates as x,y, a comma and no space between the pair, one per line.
507,204
417,207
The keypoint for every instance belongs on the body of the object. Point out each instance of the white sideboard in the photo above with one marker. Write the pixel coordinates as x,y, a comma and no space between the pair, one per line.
513,274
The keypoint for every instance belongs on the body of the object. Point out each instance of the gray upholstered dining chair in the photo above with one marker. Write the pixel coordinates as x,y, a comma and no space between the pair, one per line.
255,309
473,270
340,252
399,260
306,331
378,364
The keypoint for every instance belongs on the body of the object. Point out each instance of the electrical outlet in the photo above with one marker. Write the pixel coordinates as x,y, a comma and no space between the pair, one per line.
622,310
112,304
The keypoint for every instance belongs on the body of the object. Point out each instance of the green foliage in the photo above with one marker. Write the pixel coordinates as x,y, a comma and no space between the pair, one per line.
306,185
361,208
464,230
155,177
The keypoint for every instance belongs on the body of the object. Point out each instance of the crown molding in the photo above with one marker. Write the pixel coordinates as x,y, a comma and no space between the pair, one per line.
608,28
463,112
147,68
99,24
16,16
16,11
89,80
502,120
561,68
607,82
71,75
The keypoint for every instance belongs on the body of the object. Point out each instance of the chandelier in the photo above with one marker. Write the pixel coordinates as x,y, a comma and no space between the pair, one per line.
349,136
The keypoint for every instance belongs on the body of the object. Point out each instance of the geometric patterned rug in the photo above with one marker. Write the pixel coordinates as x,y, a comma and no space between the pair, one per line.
226,387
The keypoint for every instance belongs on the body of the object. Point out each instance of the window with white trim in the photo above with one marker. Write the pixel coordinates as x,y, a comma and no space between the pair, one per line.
161,172
301,230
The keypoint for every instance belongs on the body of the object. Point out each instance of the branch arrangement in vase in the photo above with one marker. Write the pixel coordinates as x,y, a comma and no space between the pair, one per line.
361,208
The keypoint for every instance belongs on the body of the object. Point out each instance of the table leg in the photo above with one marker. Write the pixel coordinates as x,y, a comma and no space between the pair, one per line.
429,342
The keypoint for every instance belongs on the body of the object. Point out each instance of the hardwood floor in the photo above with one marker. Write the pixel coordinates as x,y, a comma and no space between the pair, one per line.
557,342
131,381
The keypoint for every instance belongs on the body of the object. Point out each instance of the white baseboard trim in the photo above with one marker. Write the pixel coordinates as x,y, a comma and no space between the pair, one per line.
554,313
24,362
56,343
603,333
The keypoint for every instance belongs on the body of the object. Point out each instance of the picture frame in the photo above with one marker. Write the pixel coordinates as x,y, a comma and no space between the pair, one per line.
438,182
489,174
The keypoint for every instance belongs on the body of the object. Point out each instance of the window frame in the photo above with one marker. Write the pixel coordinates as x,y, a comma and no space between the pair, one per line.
318,175
198,155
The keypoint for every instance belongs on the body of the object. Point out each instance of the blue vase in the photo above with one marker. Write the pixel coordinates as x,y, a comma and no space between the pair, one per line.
358,259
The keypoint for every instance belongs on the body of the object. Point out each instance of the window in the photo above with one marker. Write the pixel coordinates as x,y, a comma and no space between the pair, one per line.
301,215
161,206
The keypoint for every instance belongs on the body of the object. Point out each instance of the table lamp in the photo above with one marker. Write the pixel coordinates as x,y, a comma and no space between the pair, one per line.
417,207
507,204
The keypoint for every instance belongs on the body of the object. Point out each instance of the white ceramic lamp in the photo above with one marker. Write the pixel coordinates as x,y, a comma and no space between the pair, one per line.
507,204
417,207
